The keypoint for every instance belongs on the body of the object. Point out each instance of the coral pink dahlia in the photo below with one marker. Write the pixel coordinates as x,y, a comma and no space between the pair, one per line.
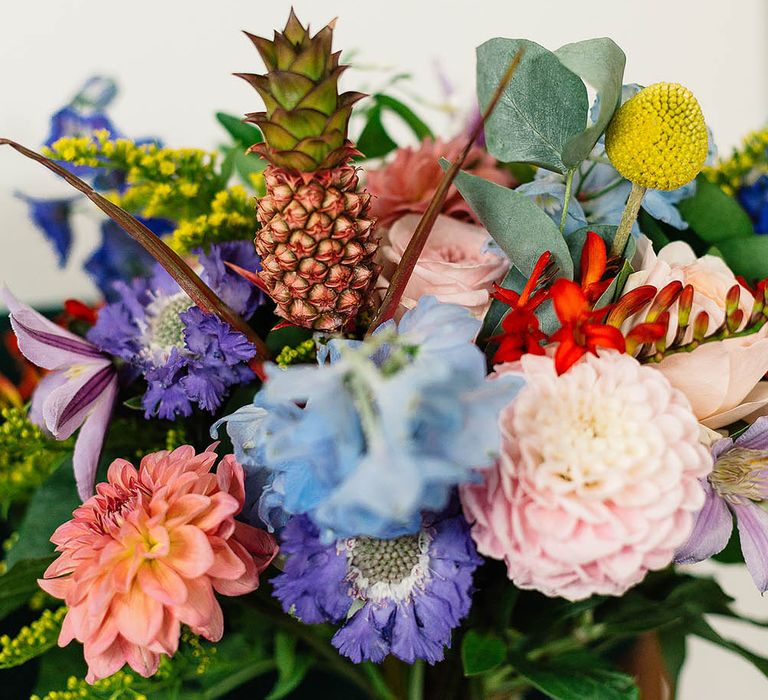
598,479
147,552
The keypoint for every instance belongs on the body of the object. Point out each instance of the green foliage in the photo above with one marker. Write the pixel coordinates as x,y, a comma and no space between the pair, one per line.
714,215
600,63
481,653
27,457
532,232
542,117
746,256
291,666
374,140
19,582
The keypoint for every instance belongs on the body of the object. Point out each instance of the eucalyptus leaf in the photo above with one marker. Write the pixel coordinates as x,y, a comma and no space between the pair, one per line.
519,227
481,653
600,63
542,110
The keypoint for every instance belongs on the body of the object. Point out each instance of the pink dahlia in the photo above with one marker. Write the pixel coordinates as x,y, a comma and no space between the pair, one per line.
407,183
598,480
147,552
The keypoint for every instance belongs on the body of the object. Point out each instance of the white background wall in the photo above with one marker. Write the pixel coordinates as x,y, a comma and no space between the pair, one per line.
173,60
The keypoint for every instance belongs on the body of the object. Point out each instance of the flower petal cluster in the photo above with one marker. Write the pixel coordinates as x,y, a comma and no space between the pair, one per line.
737,487
407,183
459,263
186,356
721,380
401,596
598,481
146,554
385,431
79,391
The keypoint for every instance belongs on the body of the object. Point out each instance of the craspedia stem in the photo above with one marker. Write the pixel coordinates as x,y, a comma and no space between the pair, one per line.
628,219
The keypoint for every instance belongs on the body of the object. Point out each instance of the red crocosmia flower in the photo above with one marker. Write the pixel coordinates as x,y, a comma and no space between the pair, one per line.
594,261
580,328
522,334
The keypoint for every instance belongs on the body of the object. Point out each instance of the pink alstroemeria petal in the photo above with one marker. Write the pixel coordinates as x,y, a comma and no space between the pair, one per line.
43,342
711,531
753,533
67,407
90,441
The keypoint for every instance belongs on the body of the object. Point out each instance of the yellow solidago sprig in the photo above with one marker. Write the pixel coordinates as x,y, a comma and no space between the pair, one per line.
745,165
27,456
303,353
32,640
185,185
656,139
232,216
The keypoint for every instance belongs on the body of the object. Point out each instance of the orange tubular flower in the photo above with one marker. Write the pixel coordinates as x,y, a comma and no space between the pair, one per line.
580,328
522,334
594,261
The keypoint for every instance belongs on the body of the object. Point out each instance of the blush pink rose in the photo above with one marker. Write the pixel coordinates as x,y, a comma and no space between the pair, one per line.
721,380
455,266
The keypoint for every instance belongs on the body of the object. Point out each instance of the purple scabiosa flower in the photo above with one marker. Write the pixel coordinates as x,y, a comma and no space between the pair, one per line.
187,357
401,596
79,392
737,486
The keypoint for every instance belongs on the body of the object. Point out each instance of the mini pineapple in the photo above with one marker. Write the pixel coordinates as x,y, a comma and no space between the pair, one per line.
316,242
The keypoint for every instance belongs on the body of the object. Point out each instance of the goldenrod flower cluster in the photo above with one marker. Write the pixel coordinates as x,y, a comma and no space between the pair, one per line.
116,687
184,185
304,352
232,216
27,457
32,640
745,164
658,138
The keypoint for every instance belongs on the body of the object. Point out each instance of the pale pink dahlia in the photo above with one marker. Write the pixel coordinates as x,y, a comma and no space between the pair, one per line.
598,481
147,552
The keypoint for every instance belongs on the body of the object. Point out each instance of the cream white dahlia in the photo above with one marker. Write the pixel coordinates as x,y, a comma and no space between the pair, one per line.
598,481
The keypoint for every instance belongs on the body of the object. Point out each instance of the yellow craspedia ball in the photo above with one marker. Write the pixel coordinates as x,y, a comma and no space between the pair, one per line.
658,138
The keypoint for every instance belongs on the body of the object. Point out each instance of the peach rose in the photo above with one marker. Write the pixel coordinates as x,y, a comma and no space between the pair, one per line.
455,266
721,380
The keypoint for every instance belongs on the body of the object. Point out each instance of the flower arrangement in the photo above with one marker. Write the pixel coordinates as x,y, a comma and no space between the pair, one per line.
437,420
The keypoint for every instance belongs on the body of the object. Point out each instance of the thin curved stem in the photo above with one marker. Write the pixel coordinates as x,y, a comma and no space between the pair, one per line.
567,198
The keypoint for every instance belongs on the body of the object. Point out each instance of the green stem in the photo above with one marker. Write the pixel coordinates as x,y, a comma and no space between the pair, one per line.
416,681
567,198
583,177
628,219
605,190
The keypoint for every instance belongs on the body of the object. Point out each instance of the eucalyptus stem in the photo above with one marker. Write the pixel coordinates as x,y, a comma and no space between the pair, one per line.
416,681
567,198
628,219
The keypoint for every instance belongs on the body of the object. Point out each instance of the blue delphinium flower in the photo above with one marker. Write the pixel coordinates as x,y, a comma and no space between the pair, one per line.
401,596
754,199
119,257
387,429
52,217
186,356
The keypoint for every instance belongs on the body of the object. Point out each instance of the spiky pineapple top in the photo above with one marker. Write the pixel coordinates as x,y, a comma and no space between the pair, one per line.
306,119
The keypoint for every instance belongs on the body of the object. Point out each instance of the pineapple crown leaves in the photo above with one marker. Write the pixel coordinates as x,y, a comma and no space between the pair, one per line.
306,119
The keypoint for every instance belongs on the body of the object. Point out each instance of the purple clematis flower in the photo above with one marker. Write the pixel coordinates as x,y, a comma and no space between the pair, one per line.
79,392
737,486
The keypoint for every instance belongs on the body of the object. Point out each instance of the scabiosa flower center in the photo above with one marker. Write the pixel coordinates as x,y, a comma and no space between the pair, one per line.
165,327
391,568
741,473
